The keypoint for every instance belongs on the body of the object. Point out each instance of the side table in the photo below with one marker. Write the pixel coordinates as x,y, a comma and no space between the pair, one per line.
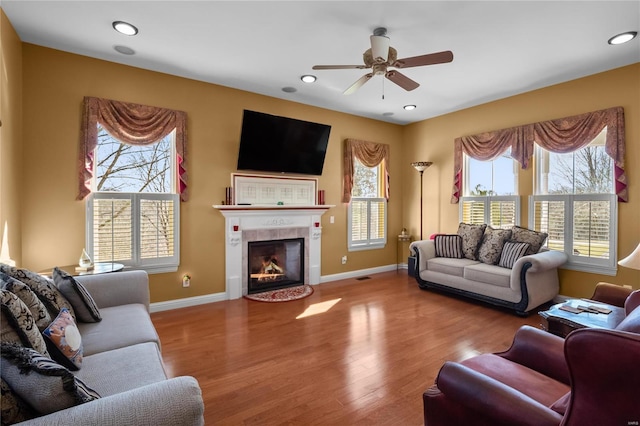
404,240
560,322
98,268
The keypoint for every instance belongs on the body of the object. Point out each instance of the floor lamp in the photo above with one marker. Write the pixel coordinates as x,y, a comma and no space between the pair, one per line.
421,166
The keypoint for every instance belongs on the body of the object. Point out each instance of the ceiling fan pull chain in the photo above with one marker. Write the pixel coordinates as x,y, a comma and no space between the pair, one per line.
383,89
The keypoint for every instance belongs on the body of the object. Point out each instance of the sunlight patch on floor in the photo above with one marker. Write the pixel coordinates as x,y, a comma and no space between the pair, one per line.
318,308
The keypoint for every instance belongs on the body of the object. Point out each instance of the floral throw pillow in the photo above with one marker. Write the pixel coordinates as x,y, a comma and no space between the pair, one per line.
492,244
17,324
38,310
471,239
64,341
42,287
534,238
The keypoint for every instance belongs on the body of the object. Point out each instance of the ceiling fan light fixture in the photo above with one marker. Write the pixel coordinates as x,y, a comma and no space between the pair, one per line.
308,78
623,37
124,28
409,107
379,48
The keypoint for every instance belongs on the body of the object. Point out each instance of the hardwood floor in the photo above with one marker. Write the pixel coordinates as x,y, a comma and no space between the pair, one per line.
354,352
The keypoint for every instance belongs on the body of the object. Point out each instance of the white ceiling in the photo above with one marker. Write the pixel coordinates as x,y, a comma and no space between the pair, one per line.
500,48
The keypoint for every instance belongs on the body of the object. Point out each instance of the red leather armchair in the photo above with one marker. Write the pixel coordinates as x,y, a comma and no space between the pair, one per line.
590,378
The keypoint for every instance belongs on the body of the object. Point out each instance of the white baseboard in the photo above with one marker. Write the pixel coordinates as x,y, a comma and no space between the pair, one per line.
219,297
187,301
356,274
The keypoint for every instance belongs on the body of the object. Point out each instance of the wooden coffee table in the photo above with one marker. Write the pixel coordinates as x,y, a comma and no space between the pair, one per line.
560,322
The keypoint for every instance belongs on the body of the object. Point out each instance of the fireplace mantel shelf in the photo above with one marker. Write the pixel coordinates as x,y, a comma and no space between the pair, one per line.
252,207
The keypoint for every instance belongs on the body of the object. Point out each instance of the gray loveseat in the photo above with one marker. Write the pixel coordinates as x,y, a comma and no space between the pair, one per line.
123,363
532,281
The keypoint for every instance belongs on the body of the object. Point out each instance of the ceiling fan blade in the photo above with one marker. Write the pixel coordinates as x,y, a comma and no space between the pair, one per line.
379,48
358,84
402,80
429,59
339,67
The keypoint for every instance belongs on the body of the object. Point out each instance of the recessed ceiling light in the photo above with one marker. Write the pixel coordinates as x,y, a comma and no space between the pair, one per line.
289,89
623,38
409,107
308,78
124,50
124,28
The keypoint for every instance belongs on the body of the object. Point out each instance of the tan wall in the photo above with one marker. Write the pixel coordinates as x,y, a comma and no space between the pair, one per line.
53,229
10,138
432,140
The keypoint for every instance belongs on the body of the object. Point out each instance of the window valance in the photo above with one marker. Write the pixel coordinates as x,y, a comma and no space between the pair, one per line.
132,124
562,135
370,154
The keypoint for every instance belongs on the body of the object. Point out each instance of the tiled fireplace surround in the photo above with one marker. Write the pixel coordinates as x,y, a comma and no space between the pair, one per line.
253,223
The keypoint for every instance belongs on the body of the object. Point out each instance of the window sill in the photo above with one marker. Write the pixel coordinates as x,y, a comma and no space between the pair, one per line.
591,269
159,269
367,247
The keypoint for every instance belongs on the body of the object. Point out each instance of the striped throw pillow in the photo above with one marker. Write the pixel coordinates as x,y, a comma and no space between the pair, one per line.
449,246
511,252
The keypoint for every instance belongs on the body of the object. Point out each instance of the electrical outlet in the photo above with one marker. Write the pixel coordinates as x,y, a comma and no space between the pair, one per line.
332,219
186,281
344,259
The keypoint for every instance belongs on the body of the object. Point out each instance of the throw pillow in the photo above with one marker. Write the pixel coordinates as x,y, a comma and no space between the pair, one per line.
83,304
48,386
14,409
17,324
471,239
511,252
449,246
38,310
42,287
534,238
492,243
64,341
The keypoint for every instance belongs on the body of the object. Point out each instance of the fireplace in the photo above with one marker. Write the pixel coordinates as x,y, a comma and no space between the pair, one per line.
244,224
275,264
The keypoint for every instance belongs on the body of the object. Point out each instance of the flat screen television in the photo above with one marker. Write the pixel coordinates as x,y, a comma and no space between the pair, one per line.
270,143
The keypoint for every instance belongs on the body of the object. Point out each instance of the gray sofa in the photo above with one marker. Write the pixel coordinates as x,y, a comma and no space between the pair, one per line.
532,281
123,363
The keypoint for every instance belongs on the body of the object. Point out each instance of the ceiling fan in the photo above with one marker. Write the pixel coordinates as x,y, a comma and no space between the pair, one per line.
381,56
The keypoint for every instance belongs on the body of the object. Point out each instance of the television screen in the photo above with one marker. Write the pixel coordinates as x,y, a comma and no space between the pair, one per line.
270,143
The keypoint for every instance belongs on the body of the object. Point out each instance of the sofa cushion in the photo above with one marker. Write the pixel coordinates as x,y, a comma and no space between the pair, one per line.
13,408
44,288
17,324
39,312
631,322
449,266
45,384
123,369
524,235
449,246
82,302
121,326
488,274
492,243
63,341
471,238
511,252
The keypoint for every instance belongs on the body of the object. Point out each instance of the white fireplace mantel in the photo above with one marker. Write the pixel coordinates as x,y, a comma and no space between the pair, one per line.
239,219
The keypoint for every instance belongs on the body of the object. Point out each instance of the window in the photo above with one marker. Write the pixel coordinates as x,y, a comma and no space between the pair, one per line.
133,210
490,192
575,203
367,209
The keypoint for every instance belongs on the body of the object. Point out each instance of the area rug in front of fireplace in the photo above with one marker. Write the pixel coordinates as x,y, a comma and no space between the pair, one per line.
282,294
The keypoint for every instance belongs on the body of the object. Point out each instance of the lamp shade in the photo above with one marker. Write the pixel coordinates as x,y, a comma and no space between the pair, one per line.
633,260
421,165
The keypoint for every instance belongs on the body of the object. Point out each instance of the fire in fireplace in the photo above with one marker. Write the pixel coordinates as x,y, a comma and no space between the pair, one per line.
275,264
